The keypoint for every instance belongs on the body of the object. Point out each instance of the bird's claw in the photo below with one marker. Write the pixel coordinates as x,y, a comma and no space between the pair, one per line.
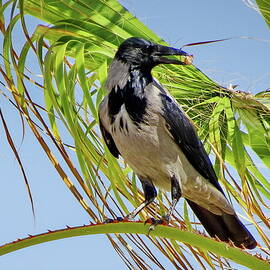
112,220
154,222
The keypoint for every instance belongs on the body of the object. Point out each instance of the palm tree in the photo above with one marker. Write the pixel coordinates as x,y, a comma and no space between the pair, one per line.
73,55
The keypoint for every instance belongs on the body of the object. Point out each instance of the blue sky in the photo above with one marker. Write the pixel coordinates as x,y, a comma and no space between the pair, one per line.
238,61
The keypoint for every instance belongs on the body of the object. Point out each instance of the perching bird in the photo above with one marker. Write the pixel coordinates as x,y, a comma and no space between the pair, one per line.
140,121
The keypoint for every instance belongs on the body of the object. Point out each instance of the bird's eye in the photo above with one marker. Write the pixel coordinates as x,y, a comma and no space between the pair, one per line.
149,49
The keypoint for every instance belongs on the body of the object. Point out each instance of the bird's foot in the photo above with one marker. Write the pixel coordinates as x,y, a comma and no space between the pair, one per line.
154,222
111,220
129,217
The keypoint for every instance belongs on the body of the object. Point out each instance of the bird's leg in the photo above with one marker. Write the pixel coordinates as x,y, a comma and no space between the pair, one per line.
176,195
150,194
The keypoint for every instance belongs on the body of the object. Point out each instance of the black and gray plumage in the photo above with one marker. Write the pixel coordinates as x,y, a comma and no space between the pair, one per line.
140,121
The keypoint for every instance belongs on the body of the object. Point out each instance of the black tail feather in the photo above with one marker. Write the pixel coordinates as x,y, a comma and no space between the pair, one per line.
226,227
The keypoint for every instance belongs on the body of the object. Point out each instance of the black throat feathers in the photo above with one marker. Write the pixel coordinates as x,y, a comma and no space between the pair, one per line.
132,96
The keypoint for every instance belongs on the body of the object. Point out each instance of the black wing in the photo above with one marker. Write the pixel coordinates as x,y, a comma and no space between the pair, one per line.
226,227
186,138
109,140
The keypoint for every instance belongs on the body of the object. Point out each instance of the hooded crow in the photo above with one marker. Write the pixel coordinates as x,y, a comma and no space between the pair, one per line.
142,122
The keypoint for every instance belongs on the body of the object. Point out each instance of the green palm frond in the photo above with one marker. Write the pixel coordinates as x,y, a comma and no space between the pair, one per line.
264,9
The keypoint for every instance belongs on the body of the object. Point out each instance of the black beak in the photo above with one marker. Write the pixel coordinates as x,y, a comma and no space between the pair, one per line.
160,51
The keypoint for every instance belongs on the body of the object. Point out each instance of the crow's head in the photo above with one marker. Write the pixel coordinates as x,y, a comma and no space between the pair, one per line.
144,54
